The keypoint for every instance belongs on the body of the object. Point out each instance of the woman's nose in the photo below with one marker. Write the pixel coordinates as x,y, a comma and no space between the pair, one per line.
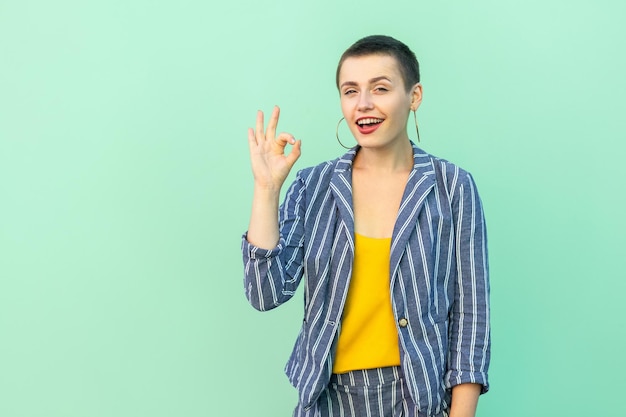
365,102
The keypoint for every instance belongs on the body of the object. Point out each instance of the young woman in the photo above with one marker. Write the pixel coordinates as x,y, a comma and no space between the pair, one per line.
391,243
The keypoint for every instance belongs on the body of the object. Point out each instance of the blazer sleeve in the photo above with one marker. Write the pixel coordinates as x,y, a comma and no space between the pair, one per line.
469,331
271,277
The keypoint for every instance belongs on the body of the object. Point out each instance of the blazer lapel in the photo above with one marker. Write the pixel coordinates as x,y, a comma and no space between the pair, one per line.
341,186
421,181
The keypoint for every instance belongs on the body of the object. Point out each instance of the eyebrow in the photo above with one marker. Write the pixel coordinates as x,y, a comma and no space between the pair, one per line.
371,81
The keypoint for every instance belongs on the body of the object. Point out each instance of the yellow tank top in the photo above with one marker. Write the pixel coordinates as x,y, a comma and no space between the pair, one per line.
368,337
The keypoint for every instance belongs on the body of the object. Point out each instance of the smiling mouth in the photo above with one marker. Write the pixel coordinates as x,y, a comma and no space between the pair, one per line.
369,121
368,125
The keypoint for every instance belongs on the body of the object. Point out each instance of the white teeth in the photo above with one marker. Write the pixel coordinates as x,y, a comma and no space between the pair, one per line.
369,121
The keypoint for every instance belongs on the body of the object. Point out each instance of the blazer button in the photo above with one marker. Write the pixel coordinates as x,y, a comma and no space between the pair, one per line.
403,322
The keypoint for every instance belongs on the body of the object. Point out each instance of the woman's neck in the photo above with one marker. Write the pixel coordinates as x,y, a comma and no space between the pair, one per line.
385,159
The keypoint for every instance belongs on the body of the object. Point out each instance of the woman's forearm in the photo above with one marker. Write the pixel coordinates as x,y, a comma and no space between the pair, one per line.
464,400
263,228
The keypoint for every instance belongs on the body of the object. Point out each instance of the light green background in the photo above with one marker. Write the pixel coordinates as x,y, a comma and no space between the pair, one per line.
125,188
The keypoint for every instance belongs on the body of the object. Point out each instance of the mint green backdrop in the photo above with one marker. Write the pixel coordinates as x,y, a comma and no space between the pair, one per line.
125,188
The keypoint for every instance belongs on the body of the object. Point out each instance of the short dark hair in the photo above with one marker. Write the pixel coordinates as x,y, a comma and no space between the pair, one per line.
385,45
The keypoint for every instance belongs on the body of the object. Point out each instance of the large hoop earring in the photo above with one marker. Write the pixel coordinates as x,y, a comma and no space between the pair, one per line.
416,128
337,133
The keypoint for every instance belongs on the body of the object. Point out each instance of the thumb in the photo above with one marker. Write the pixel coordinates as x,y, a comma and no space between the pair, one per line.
296,150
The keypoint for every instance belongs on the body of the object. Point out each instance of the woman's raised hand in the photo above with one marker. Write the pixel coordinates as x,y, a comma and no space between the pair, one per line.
270,164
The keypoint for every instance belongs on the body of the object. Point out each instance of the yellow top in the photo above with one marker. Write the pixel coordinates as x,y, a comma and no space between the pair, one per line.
368,338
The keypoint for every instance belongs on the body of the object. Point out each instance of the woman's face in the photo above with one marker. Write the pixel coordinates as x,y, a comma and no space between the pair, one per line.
374,100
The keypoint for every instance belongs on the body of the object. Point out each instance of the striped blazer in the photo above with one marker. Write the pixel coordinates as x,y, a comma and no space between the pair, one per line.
438,277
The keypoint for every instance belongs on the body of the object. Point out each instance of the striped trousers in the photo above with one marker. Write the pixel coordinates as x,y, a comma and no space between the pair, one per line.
380,392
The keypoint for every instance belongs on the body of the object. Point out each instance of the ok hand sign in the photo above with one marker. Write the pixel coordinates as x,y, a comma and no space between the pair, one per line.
270,164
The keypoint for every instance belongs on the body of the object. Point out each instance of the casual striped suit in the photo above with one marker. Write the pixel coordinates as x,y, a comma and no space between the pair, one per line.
438,277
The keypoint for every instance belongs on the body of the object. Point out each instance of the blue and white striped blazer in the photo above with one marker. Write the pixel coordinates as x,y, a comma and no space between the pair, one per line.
438,276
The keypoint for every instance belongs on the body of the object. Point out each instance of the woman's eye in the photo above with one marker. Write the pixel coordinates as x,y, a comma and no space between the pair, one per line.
348,92
381,89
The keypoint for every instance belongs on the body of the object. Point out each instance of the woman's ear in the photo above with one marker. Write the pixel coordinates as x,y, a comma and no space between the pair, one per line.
416,96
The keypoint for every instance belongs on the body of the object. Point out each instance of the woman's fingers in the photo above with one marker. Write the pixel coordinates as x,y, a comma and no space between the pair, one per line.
271,125
293,156
270,161
286,138
273,145
283,139
260,134
252,141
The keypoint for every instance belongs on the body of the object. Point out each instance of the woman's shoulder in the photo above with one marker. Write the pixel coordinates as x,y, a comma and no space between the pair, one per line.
319,169
449,172
324,170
